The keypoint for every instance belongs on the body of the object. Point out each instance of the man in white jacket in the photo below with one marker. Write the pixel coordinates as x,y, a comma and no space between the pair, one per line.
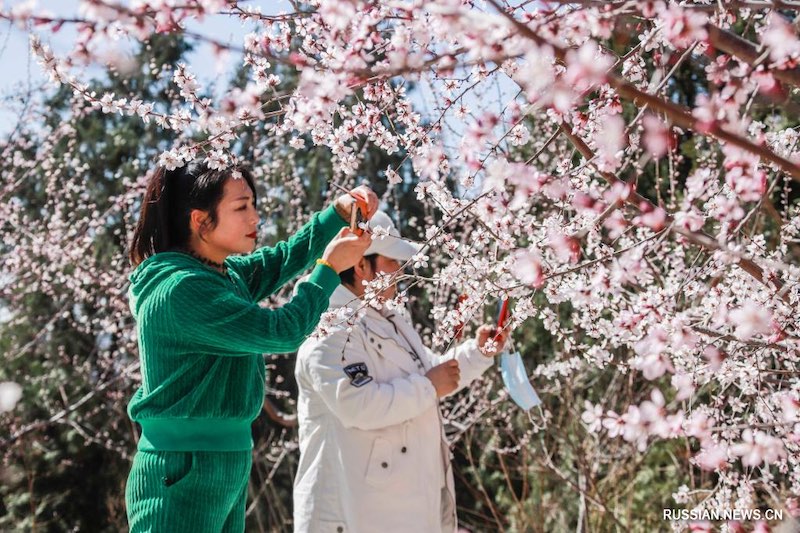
373,456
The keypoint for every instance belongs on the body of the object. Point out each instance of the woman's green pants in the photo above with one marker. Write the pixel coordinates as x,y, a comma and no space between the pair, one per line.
195,492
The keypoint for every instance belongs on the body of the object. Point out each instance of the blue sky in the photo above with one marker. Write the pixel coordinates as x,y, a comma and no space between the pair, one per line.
20,73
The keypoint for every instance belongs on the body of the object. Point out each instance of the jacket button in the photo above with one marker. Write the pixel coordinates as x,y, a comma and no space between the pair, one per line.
339,529
385,464
372,339
403,449
380,346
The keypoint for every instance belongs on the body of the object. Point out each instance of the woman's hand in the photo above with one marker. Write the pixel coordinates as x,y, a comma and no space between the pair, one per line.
490,341
346,249
344,202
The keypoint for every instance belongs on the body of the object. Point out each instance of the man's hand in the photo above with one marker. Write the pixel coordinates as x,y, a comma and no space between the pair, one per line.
344,202
490,341
444,377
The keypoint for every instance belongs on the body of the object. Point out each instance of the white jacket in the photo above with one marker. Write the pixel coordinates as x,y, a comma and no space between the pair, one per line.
372,451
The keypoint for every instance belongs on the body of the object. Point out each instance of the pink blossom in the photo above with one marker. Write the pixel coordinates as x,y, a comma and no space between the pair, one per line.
717,71
793,506
538,75
657,137
584,202
790,405
652,360
653,365
170,160
691,220
613,424
618,192
592,416
758,447
527,267
566,248
109,105
713,456
217,160
761,527
651,7
781,39
555,188
684,384
427,161
751,319
767,83
715,357
339,14
651,217
586,67
393,177
519,135
708,113
698,426
186,82
615,224
609,139
697,184
727,209
749,183
635,428
683,26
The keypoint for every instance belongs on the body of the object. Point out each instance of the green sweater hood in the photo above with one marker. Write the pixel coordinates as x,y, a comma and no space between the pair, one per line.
154,272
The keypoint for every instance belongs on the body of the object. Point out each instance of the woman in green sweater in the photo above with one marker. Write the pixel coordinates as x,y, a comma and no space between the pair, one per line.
202,336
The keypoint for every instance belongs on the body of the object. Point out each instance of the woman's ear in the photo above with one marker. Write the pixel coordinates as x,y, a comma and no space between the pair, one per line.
198,222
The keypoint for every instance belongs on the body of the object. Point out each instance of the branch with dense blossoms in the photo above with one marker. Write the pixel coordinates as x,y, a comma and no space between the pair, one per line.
666,220
678,115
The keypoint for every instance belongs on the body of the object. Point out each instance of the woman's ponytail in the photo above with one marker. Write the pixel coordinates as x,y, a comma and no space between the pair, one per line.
152,230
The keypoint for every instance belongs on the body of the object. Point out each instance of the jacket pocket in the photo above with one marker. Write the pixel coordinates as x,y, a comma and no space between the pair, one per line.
331,527
178,466
379,468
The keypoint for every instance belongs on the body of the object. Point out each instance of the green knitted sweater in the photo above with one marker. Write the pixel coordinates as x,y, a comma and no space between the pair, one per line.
202,336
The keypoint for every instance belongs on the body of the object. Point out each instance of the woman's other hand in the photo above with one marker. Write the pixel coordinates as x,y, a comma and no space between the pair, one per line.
346,249
344,202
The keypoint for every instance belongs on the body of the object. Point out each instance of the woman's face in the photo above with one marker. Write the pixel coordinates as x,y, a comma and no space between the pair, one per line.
237,220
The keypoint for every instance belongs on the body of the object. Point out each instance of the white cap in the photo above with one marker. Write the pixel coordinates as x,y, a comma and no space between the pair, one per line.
392,245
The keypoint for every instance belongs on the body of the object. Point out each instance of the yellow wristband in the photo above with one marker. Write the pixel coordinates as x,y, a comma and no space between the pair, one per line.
327,264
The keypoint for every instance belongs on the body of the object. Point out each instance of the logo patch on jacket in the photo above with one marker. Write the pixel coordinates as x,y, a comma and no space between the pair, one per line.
358,374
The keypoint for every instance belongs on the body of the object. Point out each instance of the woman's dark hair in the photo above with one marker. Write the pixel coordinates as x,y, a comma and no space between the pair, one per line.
168,202
348,277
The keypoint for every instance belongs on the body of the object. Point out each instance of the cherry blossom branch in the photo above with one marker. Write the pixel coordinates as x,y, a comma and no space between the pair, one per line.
676,113
701,239
748,52
732,4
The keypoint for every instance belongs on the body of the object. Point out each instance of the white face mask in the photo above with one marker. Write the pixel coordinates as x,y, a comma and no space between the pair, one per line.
515,379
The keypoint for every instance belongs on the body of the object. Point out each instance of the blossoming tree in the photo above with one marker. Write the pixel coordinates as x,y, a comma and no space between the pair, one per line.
623,171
